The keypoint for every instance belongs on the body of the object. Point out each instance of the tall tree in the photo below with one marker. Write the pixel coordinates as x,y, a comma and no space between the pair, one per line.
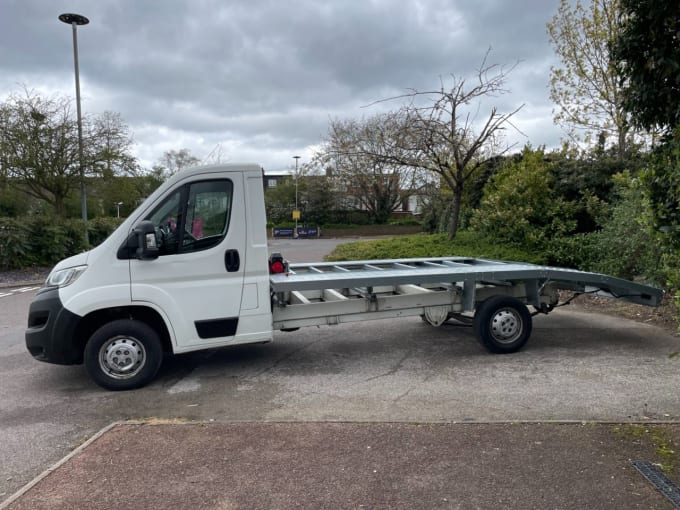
280,200
318,200
647,54
39,146
444,133
647,51
116,145
585,87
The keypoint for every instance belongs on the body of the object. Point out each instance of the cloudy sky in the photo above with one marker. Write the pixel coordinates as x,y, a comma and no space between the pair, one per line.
259,80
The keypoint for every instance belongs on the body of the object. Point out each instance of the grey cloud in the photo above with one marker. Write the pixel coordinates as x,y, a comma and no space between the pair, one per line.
268,71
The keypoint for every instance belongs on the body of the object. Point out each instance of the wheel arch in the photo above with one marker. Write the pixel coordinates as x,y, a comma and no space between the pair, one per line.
94,320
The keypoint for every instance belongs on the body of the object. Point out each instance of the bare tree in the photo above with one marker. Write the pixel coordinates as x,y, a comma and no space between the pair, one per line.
354,150
173,161
444,132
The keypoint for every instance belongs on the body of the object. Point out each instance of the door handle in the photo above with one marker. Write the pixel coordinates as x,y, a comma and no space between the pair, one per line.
232,261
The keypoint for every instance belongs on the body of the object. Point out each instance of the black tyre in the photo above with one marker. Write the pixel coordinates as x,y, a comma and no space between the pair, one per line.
502,324
123,355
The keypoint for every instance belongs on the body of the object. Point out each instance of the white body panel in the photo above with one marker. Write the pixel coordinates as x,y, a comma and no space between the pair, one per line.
255,322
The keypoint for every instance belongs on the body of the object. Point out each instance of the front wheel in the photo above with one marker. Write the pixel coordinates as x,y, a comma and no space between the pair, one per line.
502,324
123,355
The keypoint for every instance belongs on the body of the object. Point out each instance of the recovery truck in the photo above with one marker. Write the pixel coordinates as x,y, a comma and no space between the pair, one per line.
190,270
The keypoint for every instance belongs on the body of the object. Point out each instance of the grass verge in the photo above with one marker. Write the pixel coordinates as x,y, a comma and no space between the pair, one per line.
466,244
658,438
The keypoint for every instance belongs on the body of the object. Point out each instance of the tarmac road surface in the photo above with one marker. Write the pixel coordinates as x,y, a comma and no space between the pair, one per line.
576,366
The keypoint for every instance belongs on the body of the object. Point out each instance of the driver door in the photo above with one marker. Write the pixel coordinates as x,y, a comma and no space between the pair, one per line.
197,280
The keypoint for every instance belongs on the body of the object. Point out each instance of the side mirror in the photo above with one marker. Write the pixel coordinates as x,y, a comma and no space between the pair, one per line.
147,247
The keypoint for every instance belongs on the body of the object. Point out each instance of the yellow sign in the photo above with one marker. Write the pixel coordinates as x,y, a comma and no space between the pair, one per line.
296,214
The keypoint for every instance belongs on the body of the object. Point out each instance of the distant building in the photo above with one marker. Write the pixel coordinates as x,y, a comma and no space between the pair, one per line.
273,180
345,193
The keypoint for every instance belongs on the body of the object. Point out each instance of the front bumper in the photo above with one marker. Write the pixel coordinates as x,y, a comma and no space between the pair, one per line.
50,336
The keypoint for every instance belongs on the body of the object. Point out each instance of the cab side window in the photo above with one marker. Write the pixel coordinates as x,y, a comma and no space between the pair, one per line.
194,217
207,214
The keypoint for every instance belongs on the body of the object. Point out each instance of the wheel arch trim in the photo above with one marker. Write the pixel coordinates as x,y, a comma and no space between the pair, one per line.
143,312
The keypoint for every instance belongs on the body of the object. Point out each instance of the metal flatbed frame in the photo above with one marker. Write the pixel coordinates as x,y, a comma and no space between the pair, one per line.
435,288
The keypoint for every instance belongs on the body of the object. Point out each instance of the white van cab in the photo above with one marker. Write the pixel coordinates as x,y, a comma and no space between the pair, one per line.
201,281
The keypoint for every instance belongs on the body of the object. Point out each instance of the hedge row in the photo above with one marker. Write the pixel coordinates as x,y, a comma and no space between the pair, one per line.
44,240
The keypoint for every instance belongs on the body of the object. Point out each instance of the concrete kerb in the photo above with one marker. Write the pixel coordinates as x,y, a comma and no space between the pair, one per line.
57,465
160,422
25,283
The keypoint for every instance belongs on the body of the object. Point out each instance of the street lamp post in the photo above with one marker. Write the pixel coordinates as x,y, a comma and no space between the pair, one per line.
296,158
74,20
118,204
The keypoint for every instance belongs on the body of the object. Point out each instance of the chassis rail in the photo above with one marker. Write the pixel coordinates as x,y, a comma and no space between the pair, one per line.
466,273
435,289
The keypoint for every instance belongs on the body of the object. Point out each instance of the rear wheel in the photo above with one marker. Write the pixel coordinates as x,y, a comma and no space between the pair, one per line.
122,355
502,324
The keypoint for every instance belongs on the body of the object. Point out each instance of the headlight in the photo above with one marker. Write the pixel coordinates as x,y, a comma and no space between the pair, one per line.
64,277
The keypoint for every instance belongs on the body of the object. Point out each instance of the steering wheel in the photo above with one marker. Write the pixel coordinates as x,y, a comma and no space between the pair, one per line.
164,234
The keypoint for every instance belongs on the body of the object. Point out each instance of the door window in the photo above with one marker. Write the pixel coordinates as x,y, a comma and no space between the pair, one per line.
195,217
207,214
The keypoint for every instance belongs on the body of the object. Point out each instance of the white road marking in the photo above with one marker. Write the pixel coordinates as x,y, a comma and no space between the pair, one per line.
14,291
26,289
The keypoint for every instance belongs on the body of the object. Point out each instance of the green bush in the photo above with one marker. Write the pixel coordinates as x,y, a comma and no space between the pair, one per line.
435,214
339,226
15,248
48,240
625,246
662,185
74,232
405,222
43,240
576,251
100,228
520,206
